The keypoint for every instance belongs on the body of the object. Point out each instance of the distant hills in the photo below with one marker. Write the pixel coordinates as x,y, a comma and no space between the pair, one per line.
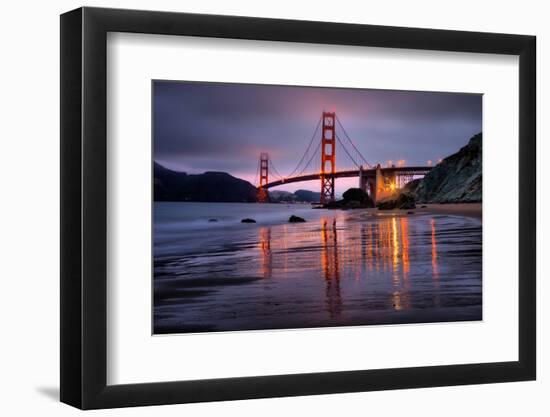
299,196
456,179
207,187
217,187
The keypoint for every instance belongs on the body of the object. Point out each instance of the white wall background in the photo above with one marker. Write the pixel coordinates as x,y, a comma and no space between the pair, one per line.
29,177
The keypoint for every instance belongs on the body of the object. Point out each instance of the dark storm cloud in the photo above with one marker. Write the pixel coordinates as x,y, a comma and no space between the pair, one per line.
216,126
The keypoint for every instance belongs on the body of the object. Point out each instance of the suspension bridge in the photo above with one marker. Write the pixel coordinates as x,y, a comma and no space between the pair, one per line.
377,181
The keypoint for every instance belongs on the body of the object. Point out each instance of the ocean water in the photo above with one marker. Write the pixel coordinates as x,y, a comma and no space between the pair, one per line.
339,268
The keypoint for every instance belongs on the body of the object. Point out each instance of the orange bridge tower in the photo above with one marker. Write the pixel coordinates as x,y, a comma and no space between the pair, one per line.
328,157
263,197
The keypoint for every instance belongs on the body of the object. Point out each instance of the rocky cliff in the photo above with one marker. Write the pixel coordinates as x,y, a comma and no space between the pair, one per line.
456,179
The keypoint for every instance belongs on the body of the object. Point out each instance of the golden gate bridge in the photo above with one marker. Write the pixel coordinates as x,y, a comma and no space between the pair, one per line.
377,181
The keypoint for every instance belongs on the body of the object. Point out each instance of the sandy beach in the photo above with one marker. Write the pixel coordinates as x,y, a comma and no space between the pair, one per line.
462,209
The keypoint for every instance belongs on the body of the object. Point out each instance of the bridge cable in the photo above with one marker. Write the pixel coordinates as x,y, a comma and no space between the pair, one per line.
310,159
275,169
352,144
307,149
350,157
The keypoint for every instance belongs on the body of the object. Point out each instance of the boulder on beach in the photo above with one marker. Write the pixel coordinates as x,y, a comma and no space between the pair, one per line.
353,198
402,200
406,201
386,204
296,219
247,220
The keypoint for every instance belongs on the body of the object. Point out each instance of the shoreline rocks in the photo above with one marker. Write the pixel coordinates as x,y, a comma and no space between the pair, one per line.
353,198
296,219
248,220
402,200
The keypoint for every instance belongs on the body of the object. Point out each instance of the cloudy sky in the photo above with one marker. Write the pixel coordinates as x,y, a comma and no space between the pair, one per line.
202,127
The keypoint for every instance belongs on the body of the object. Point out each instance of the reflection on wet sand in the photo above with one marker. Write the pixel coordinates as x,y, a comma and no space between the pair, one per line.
265,247
340,268
435,268
373,247
434,252
331,268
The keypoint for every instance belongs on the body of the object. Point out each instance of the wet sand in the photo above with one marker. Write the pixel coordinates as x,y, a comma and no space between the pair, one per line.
461,209
339,268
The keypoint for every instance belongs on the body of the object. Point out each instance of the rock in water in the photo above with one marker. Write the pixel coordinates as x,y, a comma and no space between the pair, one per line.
296,219
247,220
457,179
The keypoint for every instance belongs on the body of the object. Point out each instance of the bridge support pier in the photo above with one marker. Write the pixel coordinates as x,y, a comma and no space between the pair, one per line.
368,183
362,180
385,184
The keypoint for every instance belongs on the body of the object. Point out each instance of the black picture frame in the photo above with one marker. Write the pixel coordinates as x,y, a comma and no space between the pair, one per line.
84,207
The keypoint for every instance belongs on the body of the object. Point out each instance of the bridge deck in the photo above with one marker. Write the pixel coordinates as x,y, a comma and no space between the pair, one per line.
414,170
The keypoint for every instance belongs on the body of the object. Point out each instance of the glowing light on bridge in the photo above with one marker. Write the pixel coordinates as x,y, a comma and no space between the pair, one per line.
372,178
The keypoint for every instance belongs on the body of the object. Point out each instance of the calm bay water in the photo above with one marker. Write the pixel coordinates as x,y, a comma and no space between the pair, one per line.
340,268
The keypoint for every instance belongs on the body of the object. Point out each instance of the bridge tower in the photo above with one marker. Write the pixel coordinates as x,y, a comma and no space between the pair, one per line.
328,157
263,197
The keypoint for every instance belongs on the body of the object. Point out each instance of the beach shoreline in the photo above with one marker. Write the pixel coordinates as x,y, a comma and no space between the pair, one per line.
458,209
339,268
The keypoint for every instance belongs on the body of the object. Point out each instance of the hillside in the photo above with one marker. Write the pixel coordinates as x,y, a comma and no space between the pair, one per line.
207,187
277,196
307,196
456,179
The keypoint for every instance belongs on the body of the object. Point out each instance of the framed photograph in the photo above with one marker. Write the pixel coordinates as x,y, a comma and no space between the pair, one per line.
257,208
